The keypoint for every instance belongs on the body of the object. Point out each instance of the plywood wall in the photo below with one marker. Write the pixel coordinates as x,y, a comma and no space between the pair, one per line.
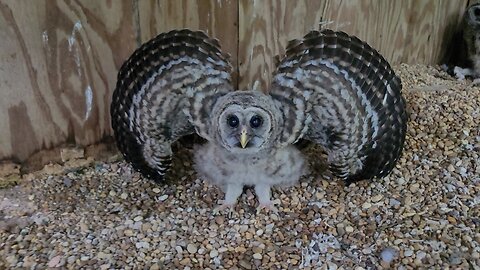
57,69
406,31
59,58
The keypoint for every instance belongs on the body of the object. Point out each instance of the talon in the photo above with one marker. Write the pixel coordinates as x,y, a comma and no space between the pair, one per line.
267,206
221,208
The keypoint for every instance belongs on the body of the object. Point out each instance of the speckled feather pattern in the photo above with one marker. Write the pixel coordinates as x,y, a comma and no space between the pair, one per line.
329,88
157,95
344,95
471,35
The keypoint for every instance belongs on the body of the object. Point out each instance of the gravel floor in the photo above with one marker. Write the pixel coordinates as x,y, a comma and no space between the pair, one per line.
426,214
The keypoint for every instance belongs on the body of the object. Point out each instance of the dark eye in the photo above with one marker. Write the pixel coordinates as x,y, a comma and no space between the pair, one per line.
256,121
232,121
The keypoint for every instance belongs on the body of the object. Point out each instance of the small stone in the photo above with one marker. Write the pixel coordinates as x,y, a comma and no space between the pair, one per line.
185,261
366,205
163,197
420,255
366,251
393,202
71,259
213,253
128,233
112,193
124,195
245,264
452,220
259,232
102,255
219,220
55,261
192,248
84,258
138,218
414,187
155,266
240,249
408,253
257,250
257,256
450,168
455,259
67,181
349,229
319,195
156,190
142,244
377,198
475,255
388,254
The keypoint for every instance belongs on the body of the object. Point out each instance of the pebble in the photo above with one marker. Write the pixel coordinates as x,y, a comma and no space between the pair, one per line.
366,205
163,198
414,187
213,253
257,256
377,198
192,248
142,244
408,253
55,261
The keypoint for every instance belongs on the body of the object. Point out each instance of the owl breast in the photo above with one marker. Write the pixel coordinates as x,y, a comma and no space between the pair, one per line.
280,167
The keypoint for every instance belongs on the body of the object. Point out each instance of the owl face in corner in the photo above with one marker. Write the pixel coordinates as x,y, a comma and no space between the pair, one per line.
473,16
245,122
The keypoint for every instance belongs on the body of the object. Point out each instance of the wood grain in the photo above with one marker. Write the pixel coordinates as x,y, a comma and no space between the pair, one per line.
409,31
218,18
58,68
59,58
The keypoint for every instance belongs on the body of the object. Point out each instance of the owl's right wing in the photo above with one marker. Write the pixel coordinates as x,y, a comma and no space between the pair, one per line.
165,91
335,90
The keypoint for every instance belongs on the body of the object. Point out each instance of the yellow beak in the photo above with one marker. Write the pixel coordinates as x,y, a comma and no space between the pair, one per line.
243,138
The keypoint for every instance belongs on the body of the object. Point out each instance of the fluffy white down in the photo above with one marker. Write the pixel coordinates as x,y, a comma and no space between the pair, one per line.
280,167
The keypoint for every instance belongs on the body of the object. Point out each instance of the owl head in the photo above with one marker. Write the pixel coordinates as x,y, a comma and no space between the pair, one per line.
245,122
473,15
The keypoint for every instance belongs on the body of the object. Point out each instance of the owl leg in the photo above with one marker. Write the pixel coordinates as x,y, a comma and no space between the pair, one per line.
233,191
263,194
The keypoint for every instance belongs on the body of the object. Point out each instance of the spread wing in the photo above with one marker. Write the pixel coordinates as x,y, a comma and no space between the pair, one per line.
165,91
336,91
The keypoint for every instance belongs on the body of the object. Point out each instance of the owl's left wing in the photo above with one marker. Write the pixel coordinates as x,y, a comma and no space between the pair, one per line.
335,90
164,91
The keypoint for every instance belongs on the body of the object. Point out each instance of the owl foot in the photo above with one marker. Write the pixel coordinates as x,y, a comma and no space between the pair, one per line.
225,208
268,206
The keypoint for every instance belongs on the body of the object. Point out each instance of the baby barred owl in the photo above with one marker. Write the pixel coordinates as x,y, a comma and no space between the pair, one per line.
471,36
330,88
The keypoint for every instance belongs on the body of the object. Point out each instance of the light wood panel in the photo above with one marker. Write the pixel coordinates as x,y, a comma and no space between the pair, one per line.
218,18
409,31
59,58
58,64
